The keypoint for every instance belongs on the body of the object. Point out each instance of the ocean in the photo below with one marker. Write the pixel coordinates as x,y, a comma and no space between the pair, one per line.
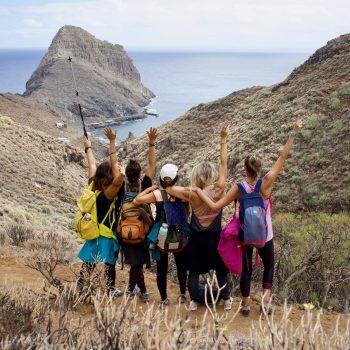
180,80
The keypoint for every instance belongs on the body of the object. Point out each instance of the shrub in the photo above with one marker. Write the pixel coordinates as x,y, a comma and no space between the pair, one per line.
312,257
314,122
344,91
337,127
334,102
19,233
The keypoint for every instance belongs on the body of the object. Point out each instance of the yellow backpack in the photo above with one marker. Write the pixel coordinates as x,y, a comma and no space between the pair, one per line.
85,221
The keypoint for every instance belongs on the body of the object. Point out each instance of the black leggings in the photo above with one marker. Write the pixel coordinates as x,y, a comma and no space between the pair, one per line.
136,277
266,254
87,268
193,280
162,270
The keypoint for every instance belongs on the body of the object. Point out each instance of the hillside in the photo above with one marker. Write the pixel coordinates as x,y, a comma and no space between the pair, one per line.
109,84
317,173
41,178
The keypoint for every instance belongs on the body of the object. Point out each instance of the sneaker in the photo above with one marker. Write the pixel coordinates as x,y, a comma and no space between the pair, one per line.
182,298
144,297
165,302
228,304
193,306
117,292
130,294
245,310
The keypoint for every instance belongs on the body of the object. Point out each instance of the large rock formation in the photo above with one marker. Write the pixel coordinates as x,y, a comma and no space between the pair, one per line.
317,173
109,85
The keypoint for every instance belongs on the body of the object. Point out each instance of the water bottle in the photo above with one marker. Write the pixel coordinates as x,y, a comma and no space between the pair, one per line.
162,235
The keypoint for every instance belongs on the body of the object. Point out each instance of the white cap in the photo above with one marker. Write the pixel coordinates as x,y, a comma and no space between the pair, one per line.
168,170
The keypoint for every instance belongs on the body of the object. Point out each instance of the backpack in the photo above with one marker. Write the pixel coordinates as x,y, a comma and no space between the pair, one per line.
86,223
252,230
229,246
174,215
134,221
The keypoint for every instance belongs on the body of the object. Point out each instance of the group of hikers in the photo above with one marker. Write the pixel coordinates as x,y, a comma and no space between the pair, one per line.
123,221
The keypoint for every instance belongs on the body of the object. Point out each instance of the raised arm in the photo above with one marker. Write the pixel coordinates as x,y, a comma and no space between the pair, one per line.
221,182
151,167
118,176
271,176
90,157
230,196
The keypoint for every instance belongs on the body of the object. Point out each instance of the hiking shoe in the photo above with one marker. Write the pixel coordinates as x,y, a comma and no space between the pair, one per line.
144,297
165,302
182,298
130,294
228,304
117,292
245,310
193,306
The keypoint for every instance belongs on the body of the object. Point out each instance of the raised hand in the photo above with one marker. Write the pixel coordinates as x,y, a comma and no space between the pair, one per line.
110,134
152,135
298,125
224,130
87,142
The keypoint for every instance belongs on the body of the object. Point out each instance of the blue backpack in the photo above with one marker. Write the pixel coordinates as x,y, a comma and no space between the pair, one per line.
175,216
252,216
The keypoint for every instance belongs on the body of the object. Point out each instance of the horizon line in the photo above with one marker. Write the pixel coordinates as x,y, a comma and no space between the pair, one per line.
190,50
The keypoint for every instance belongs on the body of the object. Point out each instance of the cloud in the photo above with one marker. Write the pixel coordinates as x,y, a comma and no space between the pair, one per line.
187,24
33,23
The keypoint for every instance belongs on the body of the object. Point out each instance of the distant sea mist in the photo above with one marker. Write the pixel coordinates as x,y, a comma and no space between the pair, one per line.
180,80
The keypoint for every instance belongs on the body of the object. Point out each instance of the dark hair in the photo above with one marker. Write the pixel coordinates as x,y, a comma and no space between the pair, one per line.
133,172
252,166
103,176
168,182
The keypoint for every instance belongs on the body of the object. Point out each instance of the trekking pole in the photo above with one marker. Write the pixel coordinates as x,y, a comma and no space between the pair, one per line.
77,94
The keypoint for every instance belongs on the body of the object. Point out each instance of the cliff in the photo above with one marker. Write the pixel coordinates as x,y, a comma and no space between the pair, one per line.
109,85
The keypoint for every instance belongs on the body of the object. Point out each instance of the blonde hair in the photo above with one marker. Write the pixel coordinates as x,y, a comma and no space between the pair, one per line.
203,175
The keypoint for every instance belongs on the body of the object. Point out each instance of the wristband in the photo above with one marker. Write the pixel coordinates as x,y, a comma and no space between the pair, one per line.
151,144
86,148
293,133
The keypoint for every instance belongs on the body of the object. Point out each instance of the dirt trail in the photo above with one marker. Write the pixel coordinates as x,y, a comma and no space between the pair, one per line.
14,272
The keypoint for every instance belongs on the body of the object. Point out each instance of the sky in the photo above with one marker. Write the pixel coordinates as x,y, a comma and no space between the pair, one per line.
180,25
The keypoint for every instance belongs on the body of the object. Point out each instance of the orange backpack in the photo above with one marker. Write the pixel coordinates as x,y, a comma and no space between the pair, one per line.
134,221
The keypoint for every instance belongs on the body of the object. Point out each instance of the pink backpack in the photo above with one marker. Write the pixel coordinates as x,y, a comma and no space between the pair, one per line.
229,246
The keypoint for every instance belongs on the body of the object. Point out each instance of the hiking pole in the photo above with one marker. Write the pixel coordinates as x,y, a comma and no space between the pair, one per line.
77,94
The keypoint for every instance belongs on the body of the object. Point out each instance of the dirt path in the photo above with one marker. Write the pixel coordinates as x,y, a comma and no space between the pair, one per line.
14,272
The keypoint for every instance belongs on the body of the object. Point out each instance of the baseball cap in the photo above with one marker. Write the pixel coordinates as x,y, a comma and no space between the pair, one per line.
168,170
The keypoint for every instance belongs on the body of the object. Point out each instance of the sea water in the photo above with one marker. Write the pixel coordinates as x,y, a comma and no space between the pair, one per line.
180,80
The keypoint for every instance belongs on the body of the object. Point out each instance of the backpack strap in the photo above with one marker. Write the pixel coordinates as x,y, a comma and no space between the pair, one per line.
165,200
257,187
164,196
241,188
109,212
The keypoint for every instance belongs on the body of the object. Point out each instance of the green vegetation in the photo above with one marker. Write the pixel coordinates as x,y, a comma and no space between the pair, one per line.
334,102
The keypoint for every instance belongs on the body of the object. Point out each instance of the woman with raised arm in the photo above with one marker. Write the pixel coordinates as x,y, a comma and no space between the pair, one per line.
201,252
137,254
107,179
252,167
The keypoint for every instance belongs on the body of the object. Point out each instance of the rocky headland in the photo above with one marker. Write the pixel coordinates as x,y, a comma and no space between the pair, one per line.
109,84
